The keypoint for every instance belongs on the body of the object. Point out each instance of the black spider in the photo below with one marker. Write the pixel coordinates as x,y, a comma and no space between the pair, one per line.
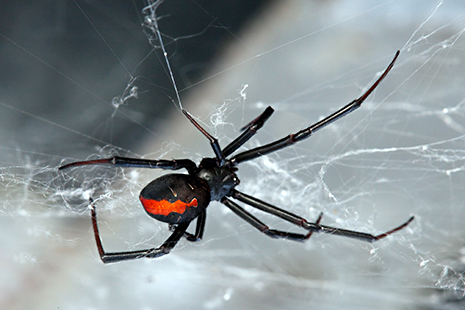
178,199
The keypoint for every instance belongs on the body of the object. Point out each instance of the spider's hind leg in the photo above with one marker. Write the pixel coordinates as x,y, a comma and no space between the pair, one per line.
113,257
199,229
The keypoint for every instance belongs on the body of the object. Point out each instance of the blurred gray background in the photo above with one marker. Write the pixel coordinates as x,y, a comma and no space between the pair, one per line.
401,154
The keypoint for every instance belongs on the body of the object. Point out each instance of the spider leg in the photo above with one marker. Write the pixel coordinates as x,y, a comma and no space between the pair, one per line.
307,132
199,229
249,131
113,257
137,163
355,234
213,141
312,227
281,213
255,222
266,207
318,220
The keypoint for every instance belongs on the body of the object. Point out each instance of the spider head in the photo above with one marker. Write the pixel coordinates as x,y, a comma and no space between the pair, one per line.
221,180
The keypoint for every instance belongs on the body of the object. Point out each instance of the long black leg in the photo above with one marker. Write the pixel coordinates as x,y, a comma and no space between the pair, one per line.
318,220
113,257
354,234
307,132
273,233
213,141
313,227
199,228
249,131
137,163
266,207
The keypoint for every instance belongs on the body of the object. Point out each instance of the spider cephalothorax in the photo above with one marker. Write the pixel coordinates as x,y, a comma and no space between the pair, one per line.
220,179
178,199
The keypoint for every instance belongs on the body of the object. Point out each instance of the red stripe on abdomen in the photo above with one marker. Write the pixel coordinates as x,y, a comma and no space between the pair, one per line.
164,207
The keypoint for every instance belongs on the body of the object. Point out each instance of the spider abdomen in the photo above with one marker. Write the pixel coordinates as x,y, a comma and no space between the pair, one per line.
175,198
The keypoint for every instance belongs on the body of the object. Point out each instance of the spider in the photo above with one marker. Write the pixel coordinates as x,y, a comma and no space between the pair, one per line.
178,199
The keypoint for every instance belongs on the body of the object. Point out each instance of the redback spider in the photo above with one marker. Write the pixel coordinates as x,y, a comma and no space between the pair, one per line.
178,199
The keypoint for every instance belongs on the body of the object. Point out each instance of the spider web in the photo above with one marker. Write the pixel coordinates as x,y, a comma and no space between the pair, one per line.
401,154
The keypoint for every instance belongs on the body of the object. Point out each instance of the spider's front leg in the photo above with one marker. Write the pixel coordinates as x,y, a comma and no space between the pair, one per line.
249,131
307,132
